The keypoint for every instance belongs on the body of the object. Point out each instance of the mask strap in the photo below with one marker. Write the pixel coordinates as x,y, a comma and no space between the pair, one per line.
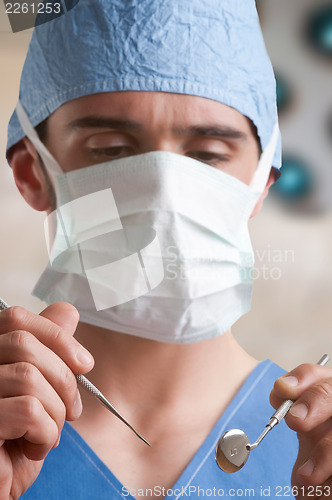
53,167
262,172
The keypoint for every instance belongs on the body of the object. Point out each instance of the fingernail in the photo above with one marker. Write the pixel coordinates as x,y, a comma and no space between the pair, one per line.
299,410
290,380
77,405
307,468
56,444
84,357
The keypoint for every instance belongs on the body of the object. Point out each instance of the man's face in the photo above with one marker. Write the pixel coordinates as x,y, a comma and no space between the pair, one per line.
103,127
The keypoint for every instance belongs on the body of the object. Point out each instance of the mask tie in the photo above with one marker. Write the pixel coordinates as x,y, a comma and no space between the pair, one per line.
53,167
262,172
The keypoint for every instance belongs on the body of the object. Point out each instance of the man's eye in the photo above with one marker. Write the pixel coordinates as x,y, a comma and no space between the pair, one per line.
112,152
207,157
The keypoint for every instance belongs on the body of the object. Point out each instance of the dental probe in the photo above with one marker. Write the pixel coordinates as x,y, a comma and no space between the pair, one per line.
84,382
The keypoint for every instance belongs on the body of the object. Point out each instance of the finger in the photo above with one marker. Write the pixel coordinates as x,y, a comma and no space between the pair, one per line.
56,338
314,466
293,384
68,314
24,352
5,474
24,379
312,408
322,491
67,321
26,417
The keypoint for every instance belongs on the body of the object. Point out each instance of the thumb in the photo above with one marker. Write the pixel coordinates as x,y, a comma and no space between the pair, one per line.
62,314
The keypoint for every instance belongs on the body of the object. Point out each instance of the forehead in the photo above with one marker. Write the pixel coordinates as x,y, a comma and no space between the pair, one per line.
159,109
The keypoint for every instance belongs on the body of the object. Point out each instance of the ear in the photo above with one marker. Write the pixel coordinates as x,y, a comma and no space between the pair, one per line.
258,206
28,175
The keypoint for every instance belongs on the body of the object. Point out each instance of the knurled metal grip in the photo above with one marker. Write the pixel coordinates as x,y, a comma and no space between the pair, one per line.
3,305
84,382
281,411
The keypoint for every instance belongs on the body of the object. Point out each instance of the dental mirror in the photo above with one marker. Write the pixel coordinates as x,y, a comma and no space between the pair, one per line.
231,451
233,448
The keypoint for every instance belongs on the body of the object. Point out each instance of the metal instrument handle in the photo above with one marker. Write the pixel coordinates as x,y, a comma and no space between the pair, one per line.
282,411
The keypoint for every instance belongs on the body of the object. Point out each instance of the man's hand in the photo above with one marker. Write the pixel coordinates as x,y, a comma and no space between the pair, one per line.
311,417
38,389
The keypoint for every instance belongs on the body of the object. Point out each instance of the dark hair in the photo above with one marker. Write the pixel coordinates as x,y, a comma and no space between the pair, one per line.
41,130
255,134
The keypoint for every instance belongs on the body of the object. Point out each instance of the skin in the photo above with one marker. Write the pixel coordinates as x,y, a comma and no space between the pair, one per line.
38,353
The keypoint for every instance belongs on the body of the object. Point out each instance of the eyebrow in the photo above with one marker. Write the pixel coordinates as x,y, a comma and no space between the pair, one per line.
212,130
104,122
222,131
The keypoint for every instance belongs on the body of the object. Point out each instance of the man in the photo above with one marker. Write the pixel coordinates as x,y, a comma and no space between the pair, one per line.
152,119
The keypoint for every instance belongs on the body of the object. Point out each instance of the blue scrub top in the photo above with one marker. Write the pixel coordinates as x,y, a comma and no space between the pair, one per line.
73,471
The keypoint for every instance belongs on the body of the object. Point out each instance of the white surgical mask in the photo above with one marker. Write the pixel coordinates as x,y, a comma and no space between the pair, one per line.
154,245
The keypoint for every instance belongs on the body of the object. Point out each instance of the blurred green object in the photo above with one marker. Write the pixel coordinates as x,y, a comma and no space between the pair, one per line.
296,181
319,30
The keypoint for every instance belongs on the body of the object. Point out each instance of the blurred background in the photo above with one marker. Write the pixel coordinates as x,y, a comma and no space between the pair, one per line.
291,317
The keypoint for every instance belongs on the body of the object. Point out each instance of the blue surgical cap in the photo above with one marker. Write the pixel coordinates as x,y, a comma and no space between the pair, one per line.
208,48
